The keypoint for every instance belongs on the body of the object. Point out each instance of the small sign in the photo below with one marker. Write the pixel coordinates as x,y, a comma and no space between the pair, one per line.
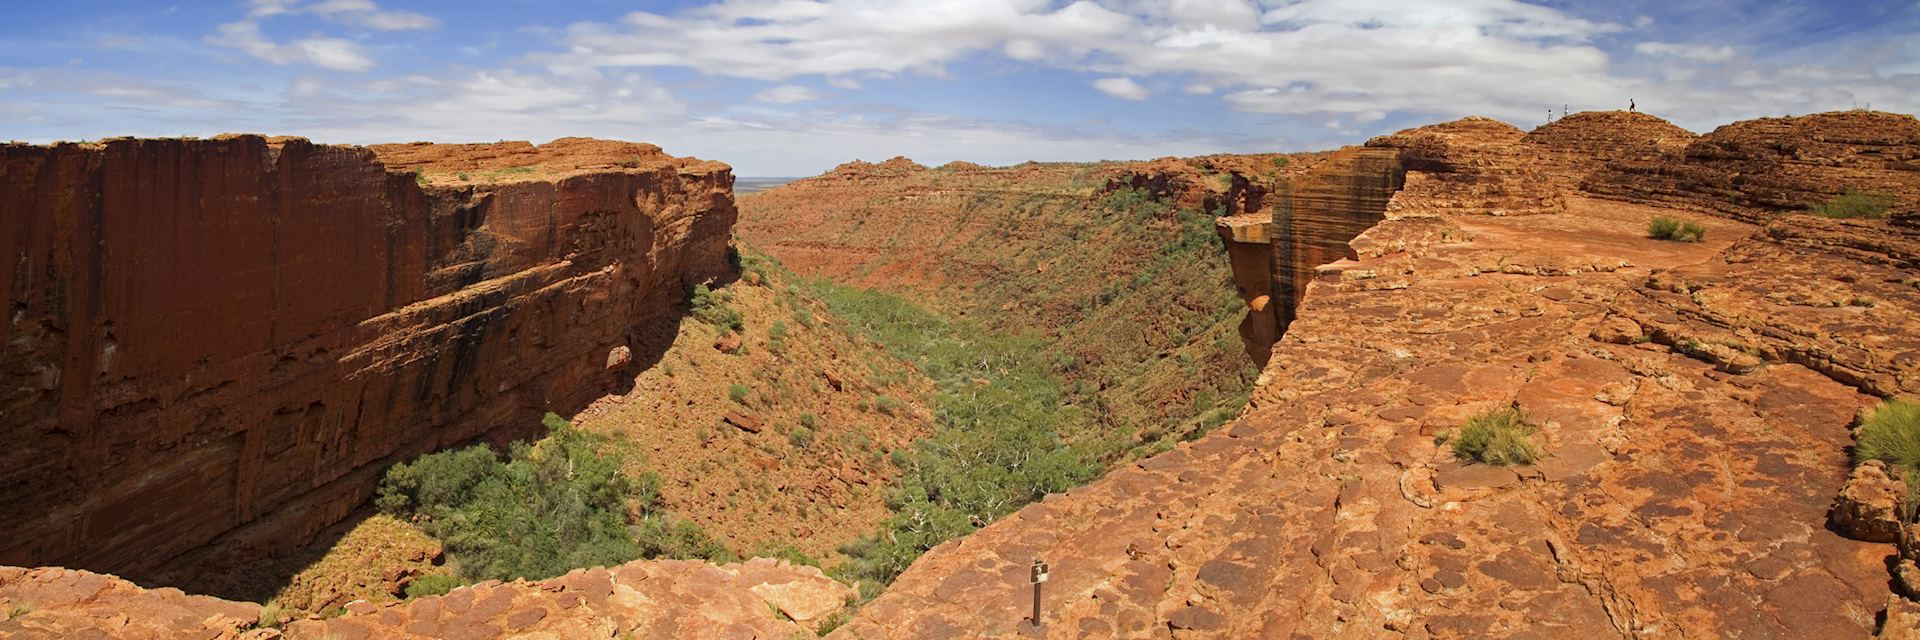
1040,570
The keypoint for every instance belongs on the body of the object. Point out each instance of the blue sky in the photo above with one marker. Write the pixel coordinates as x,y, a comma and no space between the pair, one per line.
793,87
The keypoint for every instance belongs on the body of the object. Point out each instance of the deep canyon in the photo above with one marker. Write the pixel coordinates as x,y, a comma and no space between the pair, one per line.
215,348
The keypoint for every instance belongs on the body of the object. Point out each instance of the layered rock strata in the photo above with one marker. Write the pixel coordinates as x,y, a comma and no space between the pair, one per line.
1757,168
214,346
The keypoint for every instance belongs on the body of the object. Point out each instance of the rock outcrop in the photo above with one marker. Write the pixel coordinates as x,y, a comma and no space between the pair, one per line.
215,346
760,598
1576,146
1756,168
1472,164
1695,417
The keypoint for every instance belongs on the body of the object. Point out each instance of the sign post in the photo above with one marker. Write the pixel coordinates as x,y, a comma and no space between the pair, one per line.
1037,576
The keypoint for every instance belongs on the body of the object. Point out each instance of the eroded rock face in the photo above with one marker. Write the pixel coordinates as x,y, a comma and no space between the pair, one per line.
54,603
216,345
1755,168
645,599
1694,414
1869,506
1579,144
642,599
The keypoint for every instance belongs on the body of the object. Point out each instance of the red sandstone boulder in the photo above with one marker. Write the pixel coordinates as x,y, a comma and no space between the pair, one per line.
1869,507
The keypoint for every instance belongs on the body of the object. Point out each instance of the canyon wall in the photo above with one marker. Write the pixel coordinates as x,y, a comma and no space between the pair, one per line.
1115,264
215,346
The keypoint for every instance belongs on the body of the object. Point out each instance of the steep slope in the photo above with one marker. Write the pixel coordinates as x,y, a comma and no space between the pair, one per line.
1694,400
215,346
798,460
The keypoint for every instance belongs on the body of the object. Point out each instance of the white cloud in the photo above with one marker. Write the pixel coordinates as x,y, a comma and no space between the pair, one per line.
787,94
365,13
330,53
1123,88
325,52
1198,89
1496,57
1703,53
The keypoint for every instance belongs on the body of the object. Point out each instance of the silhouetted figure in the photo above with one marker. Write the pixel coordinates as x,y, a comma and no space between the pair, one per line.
1631,106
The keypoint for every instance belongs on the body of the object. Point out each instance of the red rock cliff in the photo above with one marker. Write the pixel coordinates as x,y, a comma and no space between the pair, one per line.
217,345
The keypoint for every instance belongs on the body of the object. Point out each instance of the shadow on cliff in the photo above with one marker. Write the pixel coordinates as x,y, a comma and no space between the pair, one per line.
237,569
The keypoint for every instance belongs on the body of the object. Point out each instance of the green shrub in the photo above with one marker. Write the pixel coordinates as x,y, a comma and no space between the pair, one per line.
548,507
420,176
1853,204
432,584
711,307
738,392
777,336
783,551
809,421
1891,434
886,404
1280,162
1498,437
995,446
1666,228
800,437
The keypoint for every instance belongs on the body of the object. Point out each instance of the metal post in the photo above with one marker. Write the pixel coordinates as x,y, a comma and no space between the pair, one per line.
1037,576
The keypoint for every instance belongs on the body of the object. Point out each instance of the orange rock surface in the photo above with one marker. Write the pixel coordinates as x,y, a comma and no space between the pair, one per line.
1694,400
215,346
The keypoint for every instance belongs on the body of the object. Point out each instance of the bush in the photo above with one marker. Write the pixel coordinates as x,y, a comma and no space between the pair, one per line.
1497,437
886,405
1280,162
995,446
711,307
800,437
1892,434
777,336
1853,204
548,507
432,584
1666,228
738,393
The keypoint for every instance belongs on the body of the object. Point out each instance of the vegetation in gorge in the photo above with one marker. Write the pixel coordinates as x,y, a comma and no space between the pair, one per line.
548,507
1139,314
996,446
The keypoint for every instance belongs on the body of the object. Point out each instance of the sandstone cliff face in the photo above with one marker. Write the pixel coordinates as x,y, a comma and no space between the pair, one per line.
1755,168
215,346
1694,400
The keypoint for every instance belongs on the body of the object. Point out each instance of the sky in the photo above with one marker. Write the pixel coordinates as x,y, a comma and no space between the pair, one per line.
795,87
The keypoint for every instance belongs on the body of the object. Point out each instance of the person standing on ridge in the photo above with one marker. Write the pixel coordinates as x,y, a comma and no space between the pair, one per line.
1631,106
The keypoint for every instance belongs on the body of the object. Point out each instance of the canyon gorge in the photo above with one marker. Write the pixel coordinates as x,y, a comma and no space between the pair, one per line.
217,347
